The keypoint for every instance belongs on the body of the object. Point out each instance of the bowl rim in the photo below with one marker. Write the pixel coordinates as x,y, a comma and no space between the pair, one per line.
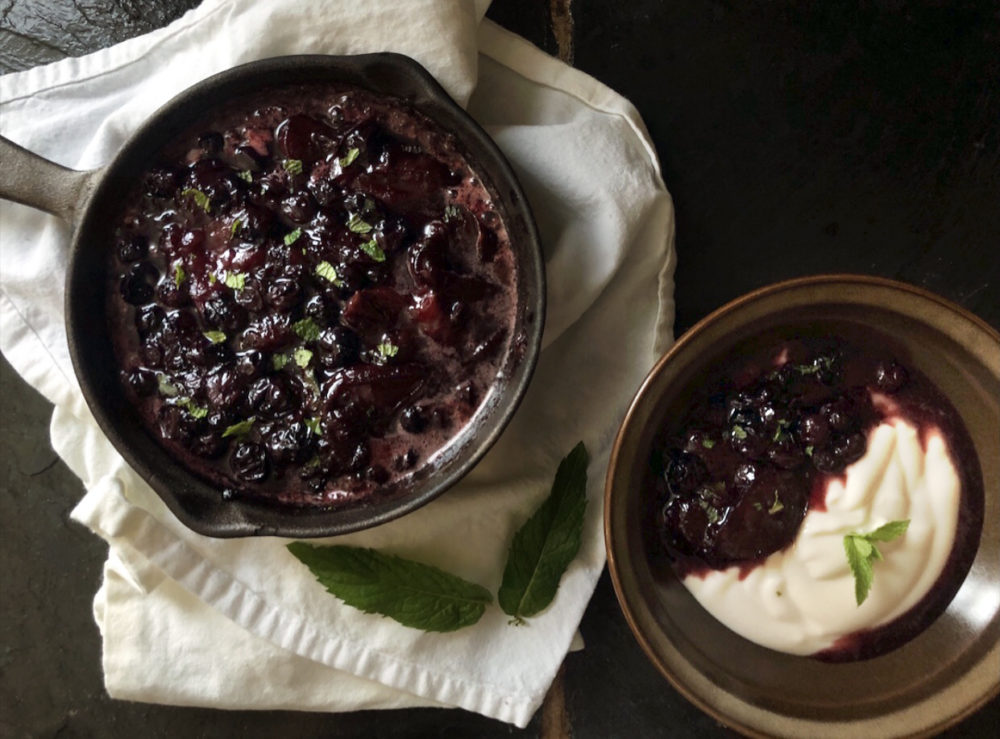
680,346
184,493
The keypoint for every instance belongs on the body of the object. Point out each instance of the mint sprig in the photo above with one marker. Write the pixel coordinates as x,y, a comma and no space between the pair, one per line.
414,594
547,542
862,553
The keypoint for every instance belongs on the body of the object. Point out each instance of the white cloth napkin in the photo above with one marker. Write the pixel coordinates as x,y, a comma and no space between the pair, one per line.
240,623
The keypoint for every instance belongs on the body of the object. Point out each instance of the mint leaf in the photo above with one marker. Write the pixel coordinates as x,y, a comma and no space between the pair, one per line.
306,329
889,531
348,158
386,350
279,360
547,542
179,275
328,272
372,249
235,280
237,222
861,568
195,410
200,198
302,357
412,593
239,429
739,433
313,425
216,337
293,166
246,175
357,225
451,212
166,387
707,443
292,236
862,554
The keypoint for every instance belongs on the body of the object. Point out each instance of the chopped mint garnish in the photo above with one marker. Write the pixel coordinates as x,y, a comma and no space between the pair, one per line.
348,159
278,361
809,450
292,237
246,175
302,357
239,429
179,275
387,350
200,198
236,226
166,387
777,506
236,280
189,405
372,249
358,225
707,443
739,433
452,212
328,272
216,337
212,279
293,166
306,329
313,425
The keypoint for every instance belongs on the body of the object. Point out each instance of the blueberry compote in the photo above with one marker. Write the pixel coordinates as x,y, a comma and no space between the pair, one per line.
735,475
313,293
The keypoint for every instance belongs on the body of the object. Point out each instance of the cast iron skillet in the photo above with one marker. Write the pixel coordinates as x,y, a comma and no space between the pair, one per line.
91,201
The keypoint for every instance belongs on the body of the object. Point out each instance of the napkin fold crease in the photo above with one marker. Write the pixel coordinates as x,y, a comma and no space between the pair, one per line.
190,620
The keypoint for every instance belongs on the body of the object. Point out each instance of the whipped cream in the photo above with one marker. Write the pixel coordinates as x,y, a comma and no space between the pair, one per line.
801,600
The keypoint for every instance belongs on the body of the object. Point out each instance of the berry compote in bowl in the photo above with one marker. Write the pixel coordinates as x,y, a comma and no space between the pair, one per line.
306,297
802,511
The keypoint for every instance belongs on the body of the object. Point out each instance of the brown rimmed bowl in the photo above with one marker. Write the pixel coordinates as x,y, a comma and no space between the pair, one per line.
936,679
91,202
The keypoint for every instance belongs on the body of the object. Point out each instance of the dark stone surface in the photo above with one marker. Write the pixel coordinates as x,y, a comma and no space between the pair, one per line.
795,138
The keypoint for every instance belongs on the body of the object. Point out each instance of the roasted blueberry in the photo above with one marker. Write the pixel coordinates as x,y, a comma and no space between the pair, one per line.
413,420
136,284
890,376
249,461
132,248
339,347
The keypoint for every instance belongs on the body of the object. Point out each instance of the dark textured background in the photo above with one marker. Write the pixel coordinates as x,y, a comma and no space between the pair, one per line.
796,138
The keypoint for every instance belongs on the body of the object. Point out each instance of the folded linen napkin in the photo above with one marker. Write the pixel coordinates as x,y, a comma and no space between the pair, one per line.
240,623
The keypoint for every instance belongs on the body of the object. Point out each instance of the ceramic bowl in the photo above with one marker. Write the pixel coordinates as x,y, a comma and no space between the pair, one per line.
932,681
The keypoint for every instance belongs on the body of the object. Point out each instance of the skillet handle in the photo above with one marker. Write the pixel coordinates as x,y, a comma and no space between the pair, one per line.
32,180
